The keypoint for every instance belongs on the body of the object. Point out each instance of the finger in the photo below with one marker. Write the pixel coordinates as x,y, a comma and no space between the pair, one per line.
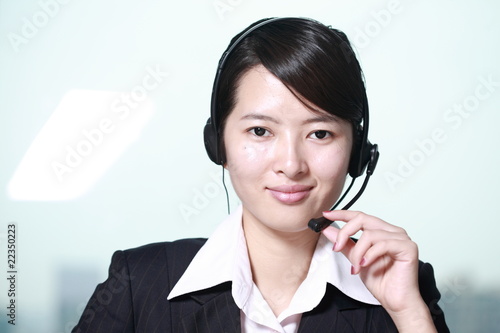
404,251
374,231
349,216
343,236
347,248
371,237
364,243
331,233
360,220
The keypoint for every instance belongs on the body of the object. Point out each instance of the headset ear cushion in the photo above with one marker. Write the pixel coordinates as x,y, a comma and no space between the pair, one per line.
374,155
356,152
360,155
211,142
360,159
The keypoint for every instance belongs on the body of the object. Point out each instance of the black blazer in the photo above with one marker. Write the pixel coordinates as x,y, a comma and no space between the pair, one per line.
134,299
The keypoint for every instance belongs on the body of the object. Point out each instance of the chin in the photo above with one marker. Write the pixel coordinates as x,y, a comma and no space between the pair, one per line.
291,222
282,218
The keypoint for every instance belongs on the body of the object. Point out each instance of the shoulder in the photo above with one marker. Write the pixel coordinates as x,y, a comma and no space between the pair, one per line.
164,259
178,250
427,282
431,295
134,294
182,247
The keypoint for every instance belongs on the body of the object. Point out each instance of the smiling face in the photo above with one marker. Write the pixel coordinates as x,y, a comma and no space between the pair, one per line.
287,163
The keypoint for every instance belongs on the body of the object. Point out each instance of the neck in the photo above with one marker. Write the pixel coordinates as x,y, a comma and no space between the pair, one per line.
279,260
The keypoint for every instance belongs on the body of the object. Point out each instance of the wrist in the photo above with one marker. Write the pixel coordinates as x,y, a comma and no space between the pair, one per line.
414,319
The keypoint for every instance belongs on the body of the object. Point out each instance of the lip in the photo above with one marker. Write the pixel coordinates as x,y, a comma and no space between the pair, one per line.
290,194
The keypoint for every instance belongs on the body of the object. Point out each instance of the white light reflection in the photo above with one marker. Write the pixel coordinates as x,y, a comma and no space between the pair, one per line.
84,137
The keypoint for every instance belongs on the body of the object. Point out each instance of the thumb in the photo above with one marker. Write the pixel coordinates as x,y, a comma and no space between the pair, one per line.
331,233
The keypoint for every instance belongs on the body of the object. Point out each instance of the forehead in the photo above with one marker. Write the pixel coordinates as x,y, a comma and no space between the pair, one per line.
260,94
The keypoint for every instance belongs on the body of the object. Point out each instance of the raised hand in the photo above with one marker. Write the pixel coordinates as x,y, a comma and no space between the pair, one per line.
387,261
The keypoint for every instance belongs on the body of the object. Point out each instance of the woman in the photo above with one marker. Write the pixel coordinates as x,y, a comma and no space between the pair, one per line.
288,107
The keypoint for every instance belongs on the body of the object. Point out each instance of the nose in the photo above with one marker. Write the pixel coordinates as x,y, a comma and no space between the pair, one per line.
290,158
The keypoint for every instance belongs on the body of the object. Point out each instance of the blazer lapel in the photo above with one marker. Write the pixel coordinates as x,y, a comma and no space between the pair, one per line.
327,317
215,312
340,313
336,313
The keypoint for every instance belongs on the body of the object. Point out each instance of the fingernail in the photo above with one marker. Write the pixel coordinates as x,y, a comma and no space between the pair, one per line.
362,262
326,211
334,245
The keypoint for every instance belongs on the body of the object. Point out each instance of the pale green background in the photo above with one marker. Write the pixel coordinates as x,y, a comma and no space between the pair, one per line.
428,57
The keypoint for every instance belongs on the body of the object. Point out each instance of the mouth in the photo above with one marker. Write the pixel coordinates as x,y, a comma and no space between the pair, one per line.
290,194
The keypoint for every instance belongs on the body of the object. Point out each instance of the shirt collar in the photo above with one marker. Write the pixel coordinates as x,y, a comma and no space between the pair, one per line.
222,244
228,245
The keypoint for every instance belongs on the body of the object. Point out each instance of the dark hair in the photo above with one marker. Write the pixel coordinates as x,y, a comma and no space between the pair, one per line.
314,61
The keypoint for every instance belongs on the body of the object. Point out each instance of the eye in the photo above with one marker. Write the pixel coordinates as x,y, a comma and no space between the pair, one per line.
259,131
321,134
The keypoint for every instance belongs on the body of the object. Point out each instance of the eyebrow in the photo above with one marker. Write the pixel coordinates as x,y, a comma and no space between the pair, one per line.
324,118
257,116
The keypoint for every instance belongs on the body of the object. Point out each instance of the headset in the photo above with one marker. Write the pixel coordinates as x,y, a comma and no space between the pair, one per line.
364,156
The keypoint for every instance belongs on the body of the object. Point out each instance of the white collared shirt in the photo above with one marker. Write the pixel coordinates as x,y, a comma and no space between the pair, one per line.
224,257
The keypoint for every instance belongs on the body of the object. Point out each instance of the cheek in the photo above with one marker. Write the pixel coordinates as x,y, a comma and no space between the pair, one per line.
246,159
331,162
246,165
248,153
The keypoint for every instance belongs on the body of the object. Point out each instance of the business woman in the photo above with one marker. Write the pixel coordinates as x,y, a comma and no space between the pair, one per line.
289,123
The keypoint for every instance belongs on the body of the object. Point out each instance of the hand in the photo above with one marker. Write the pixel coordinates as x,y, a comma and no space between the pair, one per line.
387,261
